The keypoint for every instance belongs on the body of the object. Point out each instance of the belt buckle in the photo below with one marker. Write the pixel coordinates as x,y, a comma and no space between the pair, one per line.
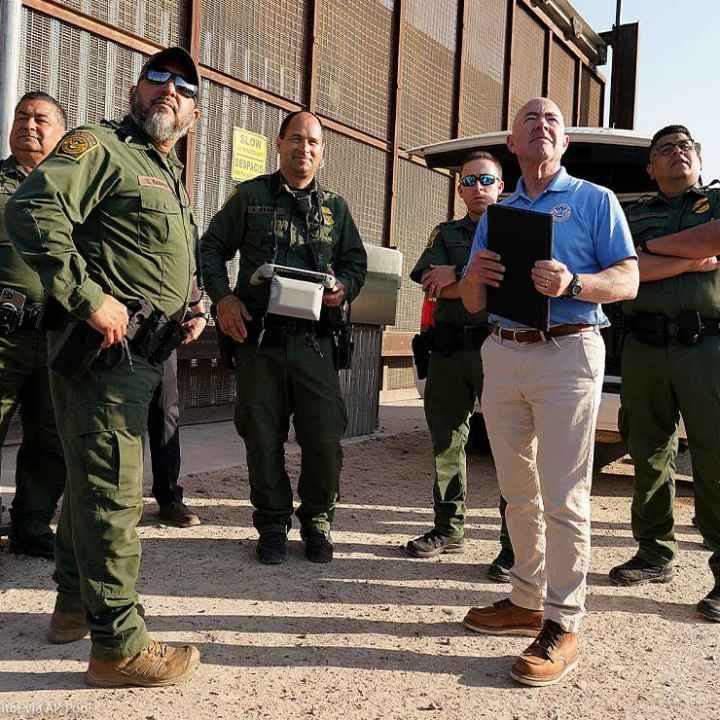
515,334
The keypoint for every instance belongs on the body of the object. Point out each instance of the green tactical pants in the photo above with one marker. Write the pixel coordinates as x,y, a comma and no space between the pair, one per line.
40,470
274,383
101,420
453,383
657,385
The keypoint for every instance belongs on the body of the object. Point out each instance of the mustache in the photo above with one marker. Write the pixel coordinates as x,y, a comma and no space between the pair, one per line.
165,102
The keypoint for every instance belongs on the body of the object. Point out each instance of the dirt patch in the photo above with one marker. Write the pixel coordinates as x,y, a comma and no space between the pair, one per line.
375,634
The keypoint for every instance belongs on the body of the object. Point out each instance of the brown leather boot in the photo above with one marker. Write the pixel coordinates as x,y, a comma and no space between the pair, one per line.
504,618
70,626
156,665
552,655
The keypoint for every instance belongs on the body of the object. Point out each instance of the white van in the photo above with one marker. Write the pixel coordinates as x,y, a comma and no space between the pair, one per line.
616,159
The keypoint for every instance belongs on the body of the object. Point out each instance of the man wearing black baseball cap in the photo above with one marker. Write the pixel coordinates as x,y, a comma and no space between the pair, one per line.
106,223
174,56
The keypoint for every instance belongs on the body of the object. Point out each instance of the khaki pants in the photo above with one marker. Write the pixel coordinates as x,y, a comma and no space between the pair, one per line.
540,403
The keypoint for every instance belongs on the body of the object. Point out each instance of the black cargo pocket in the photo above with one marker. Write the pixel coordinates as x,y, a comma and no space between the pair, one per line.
114,468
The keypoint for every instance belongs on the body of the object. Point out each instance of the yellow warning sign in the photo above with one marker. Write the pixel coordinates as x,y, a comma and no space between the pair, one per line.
249,155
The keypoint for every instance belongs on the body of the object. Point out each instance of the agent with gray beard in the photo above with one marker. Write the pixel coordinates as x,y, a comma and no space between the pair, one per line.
106,223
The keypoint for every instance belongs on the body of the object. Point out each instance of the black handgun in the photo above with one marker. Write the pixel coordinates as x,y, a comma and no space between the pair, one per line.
421,346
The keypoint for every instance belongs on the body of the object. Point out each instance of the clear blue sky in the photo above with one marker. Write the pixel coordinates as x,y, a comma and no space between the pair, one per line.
676,65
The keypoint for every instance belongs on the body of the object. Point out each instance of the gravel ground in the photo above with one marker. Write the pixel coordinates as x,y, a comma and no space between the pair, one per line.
375,634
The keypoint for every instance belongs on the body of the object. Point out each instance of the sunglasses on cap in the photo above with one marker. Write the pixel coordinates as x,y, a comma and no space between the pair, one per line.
183,86
486,179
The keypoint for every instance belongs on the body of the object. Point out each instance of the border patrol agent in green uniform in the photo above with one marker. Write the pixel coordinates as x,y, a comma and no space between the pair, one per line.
284,365
38,125
106,222
454,373
671,360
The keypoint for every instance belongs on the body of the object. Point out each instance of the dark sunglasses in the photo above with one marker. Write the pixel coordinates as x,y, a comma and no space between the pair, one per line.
182,85
667,149
486,179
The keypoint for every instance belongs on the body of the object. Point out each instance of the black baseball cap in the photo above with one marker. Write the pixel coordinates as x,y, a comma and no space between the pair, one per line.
177,55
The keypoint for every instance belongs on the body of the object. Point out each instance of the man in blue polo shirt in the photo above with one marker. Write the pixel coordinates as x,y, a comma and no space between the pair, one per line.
542,393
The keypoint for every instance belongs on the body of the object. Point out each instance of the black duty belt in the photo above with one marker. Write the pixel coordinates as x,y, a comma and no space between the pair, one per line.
688,328
274,330
448,338
14,318
31,316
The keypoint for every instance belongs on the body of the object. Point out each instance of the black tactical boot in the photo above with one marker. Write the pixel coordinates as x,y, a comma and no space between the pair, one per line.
272,547
318,546
637,571
709,606
23,543
499,569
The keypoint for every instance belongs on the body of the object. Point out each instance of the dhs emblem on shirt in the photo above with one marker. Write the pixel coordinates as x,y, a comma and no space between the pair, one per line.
561,212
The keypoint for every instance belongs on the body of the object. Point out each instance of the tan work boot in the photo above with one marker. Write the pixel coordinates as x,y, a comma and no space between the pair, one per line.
156,665
504,618
552,655
66,627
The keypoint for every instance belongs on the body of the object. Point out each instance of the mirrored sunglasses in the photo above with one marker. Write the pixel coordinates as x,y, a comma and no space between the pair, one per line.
183,86
486,179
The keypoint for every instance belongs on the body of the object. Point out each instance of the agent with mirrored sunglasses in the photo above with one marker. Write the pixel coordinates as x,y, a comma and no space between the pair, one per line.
183,86
107,224
454,370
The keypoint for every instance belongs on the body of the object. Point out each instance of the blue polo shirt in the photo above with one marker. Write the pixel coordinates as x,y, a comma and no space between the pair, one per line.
591,234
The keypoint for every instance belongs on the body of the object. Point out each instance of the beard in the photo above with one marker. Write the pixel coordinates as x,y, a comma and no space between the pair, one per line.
160,126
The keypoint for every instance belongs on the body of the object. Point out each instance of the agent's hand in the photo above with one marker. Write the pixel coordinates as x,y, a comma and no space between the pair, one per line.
551,277
232,315
195,327
110,319
335,297
437,278
485,268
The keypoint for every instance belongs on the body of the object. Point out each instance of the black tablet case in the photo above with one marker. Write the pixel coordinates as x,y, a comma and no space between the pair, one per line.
521,238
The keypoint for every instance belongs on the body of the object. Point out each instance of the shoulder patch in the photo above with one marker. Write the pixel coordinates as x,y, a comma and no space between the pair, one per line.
76,144
701,206
433,236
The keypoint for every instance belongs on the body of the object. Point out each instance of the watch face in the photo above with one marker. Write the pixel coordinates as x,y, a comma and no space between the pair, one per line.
574,288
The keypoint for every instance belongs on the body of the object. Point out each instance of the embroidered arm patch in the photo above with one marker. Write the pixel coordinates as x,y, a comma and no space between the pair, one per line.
76,144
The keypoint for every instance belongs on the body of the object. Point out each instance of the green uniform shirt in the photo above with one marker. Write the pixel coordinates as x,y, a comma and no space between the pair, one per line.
265,222
658,216
14,273
106,212
449,244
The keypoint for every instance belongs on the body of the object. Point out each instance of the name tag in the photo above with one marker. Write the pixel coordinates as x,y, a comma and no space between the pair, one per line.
147,181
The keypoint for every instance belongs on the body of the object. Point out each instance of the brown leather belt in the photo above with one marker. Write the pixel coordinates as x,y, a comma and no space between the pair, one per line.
535,336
